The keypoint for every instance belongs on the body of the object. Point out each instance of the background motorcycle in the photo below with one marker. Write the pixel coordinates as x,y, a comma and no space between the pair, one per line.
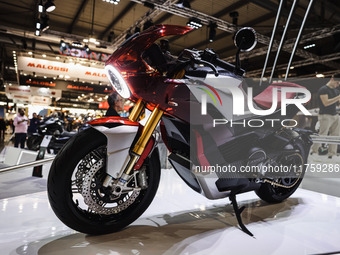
50,126
105,177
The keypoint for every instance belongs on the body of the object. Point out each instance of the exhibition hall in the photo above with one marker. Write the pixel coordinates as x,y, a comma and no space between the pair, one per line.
169,127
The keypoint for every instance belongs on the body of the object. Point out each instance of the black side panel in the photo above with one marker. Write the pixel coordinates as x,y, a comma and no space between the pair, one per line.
177,135
182,167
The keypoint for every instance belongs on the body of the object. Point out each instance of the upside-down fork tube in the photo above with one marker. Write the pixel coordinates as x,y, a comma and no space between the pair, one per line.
141,144
137,110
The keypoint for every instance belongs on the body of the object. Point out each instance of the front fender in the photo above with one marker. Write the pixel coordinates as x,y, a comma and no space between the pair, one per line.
120,133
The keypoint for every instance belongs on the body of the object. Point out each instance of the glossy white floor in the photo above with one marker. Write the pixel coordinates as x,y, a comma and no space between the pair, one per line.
180,221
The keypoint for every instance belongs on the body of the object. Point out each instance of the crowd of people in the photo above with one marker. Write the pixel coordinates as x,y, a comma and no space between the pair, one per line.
22,127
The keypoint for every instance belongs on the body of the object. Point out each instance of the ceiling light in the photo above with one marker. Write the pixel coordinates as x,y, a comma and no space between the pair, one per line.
37,32
57,58
86,40
87,49
43,55
92,40
44,23
30,53
309,46
212,31
320,75
194,23
183,3
40,7
77,44
50,6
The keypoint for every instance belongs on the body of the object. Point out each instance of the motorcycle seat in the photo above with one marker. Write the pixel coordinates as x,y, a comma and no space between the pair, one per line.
68,134
265,99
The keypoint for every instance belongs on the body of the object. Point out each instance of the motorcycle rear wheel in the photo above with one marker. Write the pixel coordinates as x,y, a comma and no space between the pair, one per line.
67,178
274,193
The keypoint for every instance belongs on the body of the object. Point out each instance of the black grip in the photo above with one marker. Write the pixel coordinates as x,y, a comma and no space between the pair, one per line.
228,66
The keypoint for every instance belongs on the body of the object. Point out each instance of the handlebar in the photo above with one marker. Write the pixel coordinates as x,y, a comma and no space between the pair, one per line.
209,58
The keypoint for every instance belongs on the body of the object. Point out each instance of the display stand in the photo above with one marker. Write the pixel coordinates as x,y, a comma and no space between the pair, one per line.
37,170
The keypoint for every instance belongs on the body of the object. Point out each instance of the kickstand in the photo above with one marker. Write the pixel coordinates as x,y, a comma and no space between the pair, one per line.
238,212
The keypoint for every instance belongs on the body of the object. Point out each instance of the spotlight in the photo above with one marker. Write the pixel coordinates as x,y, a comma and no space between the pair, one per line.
37,32
234,16
183,3
40,7
44,23
194,23
212,31
87,49
49,6
147,24
111,36
63,46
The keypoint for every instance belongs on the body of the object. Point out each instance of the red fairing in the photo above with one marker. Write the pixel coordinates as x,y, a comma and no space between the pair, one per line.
118,120
128,58
139,76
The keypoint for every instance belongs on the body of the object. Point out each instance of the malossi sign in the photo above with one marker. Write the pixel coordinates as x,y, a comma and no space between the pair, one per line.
55,68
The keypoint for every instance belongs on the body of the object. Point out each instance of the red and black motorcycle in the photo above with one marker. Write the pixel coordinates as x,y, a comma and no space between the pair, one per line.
105,177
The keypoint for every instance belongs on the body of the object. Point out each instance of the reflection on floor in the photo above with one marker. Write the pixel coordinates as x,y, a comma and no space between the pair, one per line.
180,221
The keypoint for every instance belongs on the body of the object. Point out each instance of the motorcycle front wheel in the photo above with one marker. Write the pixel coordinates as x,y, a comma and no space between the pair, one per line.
76,192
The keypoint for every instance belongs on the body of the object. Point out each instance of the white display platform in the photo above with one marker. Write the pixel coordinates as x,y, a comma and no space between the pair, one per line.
181,221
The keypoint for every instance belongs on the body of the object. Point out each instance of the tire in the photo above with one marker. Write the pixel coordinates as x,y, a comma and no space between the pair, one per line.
70,162
33,142
275,194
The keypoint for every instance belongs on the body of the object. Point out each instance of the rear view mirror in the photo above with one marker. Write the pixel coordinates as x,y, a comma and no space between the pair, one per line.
245,39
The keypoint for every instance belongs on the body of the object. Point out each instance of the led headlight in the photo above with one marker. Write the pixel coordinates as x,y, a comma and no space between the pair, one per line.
117,81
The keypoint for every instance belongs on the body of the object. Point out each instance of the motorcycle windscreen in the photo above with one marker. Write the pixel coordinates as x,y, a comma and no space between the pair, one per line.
127,58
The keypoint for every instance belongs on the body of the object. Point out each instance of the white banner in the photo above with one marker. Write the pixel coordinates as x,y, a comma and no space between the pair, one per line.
36,100
33,91
56,68
32,95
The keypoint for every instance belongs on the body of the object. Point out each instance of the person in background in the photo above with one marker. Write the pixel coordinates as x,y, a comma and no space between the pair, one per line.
20,122
115,104
2,128
328,98
34,122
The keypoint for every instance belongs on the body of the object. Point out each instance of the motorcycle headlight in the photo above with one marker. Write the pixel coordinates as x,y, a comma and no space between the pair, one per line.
117,81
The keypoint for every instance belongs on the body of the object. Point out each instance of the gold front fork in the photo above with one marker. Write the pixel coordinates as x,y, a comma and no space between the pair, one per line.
143,140
137,109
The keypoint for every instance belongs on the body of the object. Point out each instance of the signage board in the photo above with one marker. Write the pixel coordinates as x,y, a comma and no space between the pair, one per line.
55,68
